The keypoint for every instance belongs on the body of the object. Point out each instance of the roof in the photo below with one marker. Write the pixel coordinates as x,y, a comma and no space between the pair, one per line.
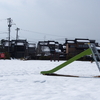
31,45
70,41
98,48
83,41
43,42
51,42
20,44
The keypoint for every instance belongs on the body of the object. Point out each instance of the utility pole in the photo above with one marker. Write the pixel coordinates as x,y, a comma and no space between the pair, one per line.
17,29
9,26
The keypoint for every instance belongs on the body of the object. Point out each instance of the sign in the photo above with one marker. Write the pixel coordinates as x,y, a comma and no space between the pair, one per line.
2,55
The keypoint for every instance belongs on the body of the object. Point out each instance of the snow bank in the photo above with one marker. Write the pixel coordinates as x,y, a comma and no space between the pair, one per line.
21,80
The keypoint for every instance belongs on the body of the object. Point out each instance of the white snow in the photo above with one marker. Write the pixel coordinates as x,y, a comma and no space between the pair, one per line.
51,42
64,47
70,41
45,48
98,48
6,43
43,43
31,45
20,43
57,50
86,41
21,80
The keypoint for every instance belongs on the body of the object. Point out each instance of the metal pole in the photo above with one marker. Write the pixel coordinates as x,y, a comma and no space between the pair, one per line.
9,25
17,33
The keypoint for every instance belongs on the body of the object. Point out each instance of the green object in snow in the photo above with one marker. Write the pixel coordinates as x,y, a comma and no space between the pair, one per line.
84,53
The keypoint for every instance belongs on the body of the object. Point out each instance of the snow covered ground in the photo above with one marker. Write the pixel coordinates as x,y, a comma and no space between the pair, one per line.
21,80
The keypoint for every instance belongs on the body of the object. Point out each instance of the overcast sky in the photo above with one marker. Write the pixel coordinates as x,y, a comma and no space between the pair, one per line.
51,19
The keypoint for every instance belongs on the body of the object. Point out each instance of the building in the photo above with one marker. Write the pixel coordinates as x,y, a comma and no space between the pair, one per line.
19,49
76,46
31,51
47,48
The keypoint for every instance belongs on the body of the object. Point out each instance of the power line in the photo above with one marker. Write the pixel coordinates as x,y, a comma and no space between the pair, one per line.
42,33
4,33
2,19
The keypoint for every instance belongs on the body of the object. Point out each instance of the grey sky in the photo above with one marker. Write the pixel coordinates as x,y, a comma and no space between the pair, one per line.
51,19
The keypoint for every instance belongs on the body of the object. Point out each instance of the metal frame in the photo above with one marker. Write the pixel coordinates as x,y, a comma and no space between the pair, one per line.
94,52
